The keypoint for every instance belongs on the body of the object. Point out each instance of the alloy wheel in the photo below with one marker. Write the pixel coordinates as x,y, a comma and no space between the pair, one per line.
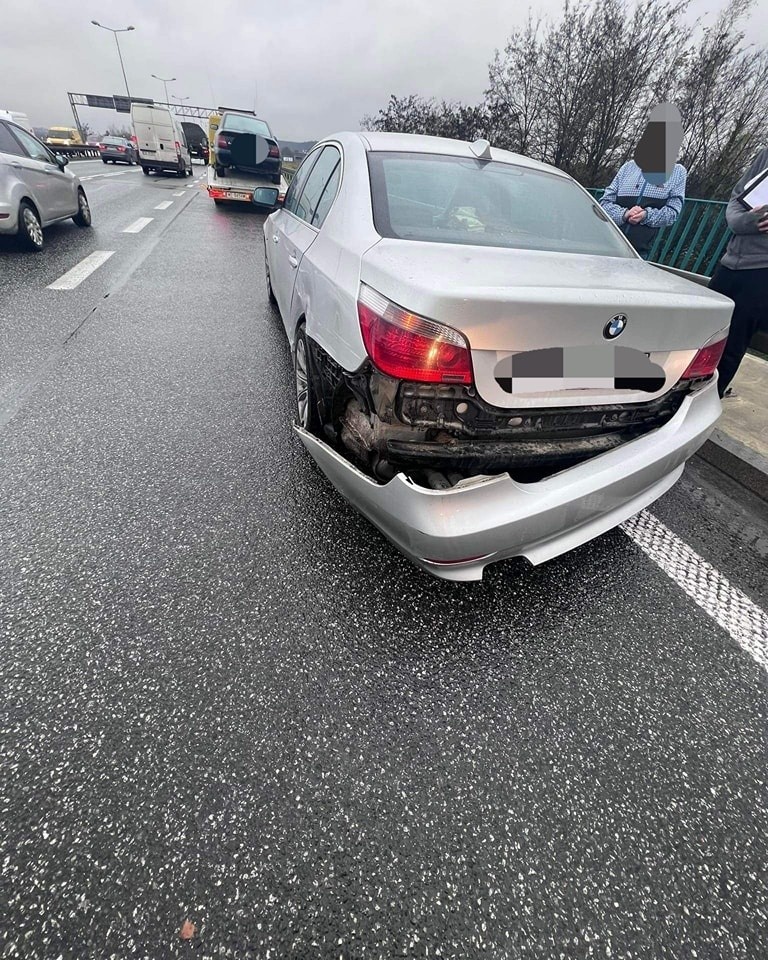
32,226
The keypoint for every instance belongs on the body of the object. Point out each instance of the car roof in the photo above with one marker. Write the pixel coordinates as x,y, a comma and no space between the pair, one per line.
443,146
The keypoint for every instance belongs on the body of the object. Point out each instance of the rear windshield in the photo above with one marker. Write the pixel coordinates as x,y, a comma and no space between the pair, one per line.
118,140
421,196
62,132
237,124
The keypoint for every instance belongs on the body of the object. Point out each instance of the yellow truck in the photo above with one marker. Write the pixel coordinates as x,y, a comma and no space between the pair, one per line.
64,137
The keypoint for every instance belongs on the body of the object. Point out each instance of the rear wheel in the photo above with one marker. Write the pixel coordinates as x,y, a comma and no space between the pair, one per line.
104,162
306,399
30,228
145,171
83,216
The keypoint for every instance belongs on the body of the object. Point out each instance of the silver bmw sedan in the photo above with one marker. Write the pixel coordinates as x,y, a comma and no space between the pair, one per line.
484,367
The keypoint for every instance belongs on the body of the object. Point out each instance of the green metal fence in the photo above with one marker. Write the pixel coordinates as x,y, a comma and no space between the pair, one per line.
697,239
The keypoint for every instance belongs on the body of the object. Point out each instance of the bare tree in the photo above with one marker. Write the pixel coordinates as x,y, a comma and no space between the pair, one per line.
721,93
577,93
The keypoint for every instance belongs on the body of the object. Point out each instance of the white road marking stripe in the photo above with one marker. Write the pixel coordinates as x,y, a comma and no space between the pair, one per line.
727,605
164,205
179,194
74,277
138,225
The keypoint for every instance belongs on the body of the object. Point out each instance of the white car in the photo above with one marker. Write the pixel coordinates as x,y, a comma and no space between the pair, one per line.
36,189
484,366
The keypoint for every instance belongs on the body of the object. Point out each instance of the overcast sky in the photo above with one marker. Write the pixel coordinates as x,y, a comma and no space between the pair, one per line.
313,67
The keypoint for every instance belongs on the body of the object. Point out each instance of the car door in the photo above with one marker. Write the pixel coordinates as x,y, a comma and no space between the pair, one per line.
282,227
56,185
296,232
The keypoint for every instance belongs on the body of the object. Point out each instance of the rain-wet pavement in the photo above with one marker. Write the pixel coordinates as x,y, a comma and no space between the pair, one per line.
227,701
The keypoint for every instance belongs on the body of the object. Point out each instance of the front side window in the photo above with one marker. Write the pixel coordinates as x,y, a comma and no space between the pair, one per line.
444,199
33,147
316,182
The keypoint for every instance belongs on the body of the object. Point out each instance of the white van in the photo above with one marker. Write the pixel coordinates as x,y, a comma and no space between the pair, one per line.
160,140
20,119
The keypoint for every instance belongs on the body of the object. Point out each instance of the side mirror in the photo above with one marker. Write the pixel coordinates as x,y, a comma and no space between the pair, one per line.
265,198
61,160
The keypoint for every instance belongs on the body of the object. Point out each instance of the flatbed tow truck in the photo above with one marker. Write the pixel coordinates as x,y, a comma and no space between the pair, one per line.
236,185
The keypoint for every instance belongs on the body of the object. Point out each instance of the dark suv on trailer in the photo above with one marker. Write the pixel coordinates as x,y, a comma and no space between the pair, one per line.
245,142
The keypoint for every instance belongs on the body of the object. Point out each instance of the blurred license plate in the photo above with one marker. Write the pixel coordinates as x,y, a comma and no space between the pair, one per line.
238,195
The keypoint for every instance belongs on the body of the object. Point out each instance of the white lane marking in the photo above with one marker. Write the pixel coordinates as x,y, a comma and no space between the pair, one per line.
97,176
727,605
179,194
164,205
74,277
138,225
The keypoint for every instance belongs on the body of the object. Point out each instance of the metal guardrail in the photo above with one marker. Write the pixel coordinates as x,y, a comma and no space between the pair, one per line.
696,240
75,153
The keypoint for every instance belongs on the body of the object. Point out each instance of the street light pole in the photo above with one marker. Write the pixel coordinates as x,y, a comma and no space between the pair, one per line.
165,83
117,44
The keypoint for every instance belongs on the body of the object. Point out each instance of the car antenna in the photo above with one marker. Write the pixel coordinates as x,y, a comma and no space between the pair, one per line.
481,149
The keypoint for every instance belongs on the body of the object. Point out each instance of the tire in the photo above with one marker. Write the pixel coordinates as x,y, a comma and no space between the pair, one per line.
105,162
219,171
145,171
83,216
270,291
30,228
218,201
306,400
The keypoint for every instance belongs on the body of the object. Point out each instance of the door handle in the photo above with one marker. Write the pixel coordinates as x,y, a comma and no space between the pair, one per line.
293,261
275,239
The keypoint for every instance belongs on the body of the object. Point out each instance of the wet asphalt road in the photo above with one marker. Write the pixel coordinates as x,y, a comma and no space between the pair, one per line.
227,700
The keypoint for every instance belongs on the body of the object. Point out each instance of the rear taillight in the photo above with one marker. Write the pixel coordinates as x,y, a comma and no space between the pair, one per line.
274,152
409,347
706,360
222,141
178,147
121,149
102,147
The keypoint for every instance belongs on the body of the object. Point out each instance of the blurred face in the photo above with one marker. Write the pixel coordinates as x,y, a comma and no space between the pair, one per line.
658,148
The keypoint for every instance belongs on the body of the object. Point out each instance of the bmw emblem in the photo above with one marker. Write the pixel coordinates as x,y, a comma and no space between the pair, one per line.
615,326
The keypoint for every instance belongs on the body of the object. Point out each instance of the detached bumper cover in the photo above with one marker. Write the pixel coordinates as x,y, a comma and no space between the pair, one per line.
493,518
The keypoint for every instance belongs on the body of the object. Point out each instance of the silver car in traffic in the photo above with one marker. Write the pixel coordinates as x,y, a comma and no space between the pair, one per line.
484,367
36,189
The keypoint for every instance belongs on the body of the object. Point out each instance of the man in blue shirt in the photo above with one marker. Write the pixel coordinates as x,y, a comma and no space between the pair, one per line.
648,192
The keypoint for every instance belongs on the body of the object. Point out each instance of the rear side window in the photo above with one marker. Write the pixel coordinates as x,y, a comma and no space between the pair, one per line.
447,199
297,184
328,196
316,183
8,143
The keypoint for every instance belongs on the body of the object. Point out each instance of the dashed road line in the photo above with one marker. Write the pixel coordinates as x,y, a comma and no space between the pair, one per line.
746,623
179,194
138,225
164,205
101,176
74,277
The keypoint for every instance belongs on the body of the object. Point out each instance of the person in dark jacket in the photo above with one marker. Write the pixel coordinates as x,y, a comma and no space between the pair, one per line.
742,274
648,192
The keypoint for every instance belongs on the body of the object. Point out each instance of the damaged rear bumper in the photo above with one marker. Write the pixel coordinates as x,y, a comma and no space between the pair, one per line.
455,533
